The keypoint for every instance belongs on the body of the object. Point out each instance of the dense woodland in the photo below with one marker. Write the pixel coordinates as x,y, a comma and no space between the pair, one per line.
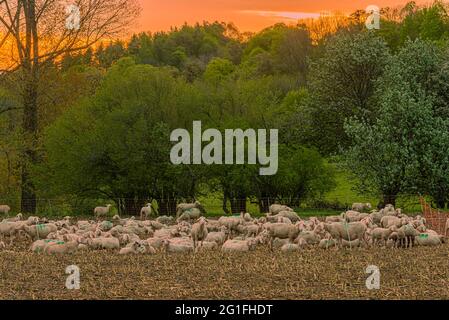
374,103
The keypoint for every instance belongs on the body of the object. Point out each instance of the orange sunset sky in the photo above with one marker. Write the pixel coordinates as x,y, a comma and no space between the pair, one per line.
247,15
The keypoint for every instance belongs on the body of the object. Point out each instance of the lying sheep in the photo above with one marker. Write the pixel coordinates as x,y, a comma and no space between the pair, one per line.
218,237
239,245
177,247
428,240
276,208
290,247
182,207
5,209
102,211
190,214
360,207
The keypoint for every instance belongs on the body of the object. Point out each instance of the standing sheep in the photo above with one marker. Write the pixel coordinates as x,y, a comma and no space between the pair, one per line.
5,209
102,211
199,232
146,212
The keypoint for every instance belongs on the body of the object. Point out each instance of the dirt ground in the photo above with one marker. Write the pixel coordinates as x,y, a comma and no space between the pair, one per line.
312,274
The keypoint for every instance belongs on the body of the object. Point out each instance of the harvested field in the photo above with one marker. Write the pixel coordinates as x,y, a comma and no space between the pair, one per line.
417,273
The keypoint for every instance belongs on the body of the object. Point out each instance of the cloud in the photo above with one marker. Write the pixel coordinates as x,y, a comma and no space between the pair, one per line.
288,15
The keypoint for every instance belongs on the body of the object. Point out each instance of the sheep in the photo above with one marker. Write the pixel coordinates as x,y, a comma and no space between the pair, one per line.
164,219
177,247
5,209
282,231
290,247
102,211
231,223
39,231
346,231
15,219
388,221
104,243
276,208
182,207
284,220
239,245
253,230
360,207
382,234
61,248
293,216
327,243
428,240
199,232
209,245
146,211
190,214
310,237
330,219
246,216
218,237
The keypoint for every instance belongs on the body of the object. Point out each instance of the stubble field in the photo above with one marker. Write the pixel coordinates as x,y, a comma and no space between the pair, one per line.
417,273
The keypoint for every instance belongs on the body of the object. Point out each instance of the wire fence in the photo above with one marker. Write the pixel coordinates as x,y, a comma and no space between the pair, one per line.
213,205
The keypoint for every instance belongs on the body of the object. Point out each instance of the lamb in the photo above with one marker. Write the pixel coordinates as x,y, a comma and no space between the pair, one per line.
382,234
276,208
253,230
132,249
146,212
199,232
360,207
327,243
310,237
102,211
182,207
61,248
15,219
5,209
239,245
218,237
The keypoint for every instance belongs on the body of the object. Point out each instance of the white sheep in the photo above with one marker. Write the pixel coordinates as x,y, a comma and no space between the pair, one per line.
5,209
102,211
239,245
360,207
199,232
146,211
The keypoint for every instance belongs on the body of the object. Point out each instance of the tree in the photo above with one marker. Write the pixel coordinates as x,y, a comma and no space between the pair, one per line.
401,151
35,33
342,85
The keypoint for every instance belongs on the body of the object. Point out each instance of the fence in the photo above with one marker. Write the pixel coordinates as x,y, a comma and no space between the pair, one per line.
436,220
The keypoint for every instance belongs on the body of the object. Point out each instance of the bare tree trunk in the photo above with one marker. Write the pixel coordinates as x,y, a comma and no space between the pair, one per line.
238,205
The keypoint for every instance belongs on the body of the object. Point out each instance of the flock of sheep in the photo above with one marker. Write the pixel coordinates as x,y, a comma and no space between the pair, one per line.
280,229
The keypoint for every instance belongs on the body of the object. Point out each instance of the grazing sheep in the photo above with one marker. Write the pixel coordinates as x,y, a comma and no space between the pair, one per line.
102,211
5,209
146,211
199,232
360,207
346,231
61,248
104,243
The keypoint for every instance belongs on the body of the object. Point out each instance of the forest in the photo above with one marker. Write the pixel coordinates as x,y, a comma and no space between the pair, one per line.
371,103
